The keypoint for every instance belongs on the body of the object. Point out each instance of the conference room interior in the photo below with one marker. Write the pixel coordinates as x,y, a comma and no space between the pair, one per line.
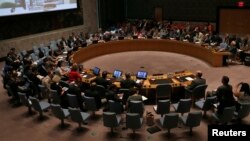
119,70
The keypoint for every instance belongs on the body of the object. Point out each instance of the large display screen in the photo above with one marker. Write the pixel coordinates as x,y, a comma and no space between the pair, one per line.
18,7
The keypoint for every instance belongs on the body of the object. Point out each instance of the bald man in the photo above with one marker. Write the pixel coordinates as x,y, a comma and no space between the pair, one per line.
196,82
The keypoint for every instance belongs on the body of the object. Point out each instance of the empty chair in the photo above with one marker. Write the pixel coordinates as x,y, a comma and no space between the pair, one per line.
25,101
115,107
46,51
136,107
53,46
169,121
198,93
163,91
56,99
39,106
90,104
162,107
33,56
193,119
78,116
243,111
73,102
110,119
41,46
23,53
133,121
226,116
207,104
183,106
35,50
59,112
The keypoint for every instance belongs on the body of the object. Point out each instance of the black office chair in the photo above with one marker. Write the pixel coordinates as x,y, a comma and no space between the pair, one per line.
163,91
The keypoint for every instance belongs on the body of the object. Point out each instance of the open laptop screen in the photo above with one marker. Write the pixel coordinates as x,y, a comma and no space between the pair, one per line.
141,75
117,73
96,71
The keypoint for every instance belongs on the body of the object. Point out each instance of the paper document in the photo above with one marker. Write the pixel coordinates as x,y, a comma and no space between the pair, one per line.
155,107
82,93
144,98
216,105
189,78
138,81
40,77
65,88
120,96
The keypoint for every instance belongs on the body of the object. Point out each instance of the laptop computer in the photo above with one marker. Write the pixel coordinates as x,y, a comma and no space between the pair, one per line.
96,71
140,76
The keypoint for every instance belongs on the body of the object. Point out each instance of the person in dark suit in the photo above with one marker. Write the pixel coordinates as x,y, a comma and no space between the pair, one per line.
225,95
42,70
103,80
75,90
196,82
92,92
112,93
128,83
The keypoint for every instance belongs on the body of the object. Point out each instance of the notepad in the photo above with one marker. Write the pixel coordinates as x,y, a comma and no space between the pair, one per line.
189,78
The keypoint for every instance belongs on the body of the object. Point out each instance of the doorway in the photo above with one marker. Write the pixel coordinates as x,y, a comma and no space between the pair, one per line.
158,13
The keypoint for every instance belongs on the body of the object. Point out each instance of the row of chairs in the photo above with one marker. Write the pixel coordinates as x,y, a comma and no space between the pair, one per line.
169,121
184,106
162,107
133,119
165,91
40,106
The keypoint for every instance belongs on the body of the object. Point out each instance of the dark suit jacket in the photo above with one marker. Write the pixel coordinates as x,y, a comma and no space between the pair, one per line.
58,88
42,70
128,84
225,97
102,81
75,90
196,82
94,93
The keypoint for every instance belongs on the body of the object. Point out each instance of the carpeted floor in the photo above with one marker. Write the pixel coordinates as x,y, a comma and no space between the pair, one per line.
16,124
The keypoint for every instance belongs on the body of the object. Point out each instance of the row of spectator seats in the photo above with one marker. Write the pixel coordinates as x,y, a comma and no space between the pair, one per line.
133,118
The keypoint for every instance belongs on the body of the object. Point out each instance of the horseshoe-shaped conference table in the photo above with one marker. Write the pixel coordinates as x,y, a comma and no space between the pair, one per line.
213,58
